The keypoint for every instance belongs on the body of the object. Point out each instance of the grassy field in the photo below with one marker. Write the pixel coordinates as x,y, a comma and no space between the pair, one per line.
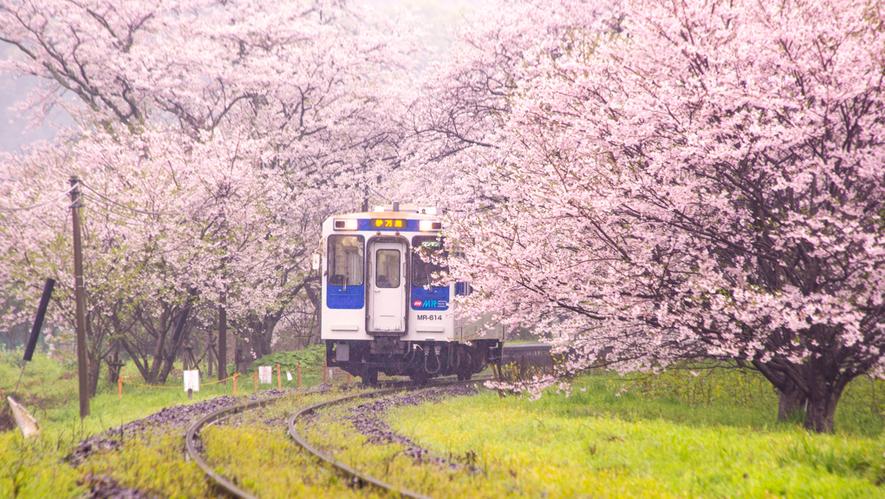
254,451
709,432
49,390
33,468
679,434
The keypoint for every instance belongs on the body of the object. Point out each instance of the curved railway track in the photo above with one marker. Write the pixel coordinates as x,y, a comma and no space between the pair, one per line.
357,476
228,487
354,474
192,440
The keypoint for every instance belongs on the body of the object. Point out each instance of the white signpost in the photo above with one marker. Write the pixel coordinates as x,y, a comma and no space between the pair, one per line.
192,380
265,375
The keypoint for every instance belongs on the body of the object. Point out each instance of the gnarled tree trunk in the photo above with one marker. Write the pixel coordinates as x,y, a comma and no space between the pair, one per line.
823,395
791,402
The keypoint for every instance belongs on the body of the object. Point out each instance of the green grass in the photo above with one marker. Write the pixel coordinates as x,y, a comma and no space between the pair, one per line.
267,462
310,359
708,433
153,463
49,391
32,468
641,437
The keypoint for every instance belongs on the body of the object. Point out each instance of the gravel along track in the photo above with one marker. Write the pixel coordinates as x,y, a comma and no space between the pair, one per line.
378,429
368,419
176,418
194,446
103,487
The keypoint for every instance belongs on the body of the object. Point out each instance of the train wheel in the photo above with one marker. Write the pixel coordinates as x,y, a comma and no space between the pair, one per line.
370,377
419,378
465,364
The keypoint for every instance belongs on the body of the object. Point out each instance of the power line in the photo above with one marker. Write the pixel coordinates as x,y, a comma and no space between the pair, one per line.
37,205
102,206
121,205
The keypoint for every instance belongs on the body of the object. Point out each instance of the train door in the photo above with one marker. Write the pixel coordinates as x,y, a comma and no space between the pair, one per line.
387,298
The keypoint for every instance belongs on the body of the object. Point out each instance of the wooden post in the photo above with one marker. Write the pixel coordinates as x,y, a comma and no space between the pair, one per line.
80,298
279,379
236,375
222,342
325,373
298,375
255,379
120,384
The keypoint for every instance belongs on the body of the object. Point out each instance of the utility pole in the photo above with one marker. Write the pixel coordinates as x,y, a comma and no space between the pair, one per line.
80,297
222,340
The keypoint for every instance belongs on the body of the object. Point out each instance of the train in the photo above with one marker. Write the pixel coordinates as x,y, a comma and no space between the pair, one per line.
384,309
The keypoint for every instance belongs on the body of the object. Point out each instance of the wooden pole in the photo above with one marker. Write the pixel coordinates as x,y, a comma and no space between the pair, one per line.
80,298
222,342
120,384
279,378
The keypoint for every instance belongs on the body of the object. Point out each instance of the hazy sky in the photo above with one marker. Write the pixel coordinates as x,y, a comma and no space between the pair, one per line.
436,22
13,128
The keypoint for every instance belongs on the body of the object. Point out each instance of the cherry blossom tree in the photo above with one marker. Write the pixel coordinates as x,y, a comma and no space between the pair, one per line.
700,179
213,137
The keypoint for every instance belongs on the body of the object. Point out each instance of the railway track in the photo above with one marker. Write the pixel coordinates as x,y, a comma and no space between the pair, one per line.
531,354
192,443
357,476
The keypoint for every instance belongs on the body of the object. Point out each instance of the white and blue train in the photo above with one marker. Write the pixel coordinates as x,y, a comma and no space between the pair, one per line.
381,311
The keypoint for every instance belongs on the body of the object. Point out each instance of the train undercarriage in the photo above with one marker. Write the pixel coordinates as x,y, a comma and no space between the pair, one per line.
419,360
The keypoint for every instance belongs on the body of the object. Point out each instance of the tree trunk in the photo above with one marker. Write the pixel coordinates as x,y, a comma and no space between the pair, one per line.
240,354
114,365
821,408
314,296
222,343
179,335
266,329
791,403
94,371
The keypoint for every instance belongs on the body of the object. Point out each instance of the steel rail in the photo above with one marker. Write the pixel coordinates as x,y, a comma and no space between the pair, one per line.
227,486
355,474
192,436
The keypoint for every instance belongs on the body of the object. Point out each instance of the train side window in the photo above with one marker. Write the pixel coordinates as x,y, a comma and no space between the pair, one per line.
428,248
345,261
387,268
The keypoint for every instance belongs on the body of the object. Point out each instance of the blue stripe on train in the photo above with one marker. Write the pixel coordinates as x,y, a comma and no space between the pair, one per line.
432,298
345,297
387,224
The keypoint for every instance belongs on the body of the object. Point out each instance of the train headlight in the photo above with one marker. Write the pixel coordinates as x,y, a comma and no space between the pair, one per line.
348,224
429,225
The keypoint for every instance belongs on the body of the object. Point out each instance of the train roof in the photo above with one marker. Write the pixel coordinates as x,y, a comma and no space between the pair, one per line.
403,211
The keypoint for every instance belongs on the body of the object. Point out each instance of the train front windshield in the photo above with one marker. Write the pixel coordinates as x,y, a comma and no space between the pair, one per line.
345,260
